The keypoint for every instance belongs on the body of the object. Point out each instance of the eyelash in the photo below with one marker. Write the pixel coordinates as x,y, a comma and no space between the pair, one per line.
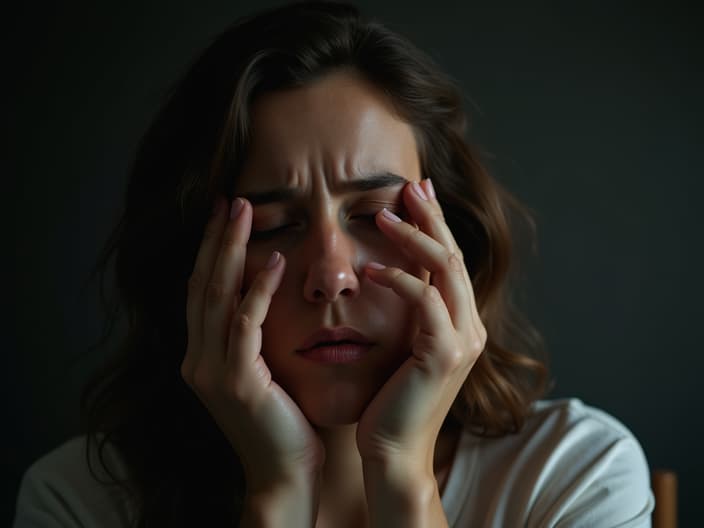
270,233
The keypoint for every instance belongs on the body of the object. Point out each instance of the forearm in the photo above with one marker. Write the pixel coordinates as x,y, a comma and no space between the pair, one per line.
399,496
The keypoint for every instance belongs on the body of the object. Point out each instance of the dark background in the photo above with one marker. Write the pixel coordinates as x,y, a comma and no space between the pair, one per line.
593,115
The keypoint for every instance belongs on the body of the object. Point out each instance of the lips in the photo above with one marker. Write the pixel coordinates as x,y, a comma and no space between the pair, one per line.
335,345
334,337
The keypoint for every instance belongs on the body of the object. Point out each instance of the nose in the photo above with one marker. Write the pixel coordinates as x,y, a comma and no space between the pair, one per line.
331,267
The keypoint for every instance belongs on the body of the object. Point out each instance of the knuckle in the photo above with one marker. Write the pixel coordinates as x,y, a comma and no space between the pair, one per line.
480,344
454,262
261,372
455,359
214,293
452,360
477,347
431,294
395,273
242,323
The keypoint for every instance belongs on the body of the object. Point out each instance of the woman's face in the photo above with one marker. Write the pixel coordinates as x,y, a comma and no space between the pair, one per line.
316,145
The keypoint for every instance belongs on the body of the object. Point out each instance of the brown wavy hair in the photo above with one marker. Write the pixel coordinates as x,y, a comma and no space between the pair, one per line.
182,470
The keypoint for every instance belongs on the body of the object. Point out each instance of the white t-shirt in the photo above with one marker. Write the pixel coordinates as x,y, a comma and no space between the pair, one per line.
571,465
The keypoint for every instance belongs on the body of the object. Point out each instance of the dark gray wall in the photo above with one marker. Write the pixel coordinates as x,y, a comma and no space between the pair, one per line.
593,116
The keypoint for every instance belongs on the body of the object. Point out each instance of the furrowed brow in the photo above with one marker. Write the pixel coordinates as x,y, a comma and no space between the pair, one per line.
273,196
366,183
373,181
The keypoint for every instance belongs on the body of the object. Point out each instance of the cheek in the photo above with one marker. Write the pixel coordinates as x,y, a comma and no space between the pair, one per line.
391,256
393,316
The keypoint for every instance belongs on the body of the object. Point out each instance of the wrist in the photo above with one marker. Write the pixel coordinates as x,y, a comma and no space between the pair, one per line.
401,493
401,472
292,501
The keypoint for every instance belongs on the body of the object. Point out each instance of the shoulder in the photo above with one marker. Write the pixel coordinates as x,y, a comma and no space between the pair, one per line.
569,422
570,464
59,489
592,471
573,410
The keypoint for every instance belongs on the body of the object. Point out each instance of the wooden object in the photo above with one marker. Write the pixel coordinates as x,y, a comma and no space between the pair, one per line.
664,484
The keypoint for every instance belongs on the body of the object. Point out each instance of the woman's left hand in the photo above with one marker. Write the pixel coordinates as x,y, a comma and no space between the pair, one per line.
402,422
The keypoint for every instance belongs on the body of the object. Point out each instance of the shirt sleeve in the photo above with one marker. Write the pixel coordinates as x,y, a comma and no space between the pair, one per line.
613,492
41,505
597,479
59,490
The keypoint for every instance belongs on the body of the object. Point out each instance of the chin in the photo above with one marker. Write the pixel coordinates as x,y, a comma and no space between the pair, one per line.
339,405
327,420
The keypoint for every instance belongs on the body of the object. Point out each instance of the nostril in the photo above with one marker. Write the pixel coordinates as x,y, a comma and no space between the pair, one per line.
330,284
319,294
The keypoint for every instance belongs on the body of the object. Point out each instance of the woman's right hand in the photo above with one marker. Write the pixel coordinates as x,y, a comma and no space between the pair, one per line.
223,364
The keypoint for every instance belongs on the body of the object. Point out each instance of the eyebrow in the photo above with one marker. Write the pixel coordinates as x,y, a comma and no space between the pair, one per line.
370,182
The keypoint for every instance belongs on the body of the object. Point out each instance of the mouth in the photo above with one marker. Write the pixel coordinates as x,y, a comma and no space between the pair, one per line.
335,345
336,352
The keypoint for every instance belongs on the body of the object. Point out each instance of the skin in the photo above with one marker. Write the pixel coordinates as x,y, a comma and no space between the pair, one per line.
355,444
332,236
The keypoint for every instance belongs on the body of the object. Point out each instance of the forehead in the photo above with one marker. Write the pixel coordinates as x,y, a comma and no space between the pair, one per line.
337,128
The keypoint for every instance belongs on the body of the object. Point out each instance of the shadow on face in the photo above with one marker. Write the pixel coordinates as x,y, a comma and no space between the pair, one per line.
324,159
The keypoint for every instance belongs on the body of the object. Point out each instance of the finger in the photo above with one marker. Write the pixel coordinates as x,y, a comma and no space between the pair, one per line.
436,226
434,320
198,281
445,267
428,211
431,220
441,231
222,292
245,333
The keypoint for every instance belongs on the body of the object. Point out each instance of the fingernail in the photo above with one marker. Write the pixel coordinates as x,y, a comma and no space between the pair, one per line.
388,214
376,265
273,260
419,191
429,187
236,208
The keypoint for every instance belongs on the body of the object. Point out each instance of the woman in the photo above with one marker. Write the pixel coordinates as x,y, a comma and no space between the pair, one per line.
348,355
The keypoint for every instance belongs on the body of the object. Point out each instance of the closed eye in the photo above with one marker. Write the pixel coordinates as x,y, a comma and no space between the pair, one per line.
365,217
369,220
265,234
